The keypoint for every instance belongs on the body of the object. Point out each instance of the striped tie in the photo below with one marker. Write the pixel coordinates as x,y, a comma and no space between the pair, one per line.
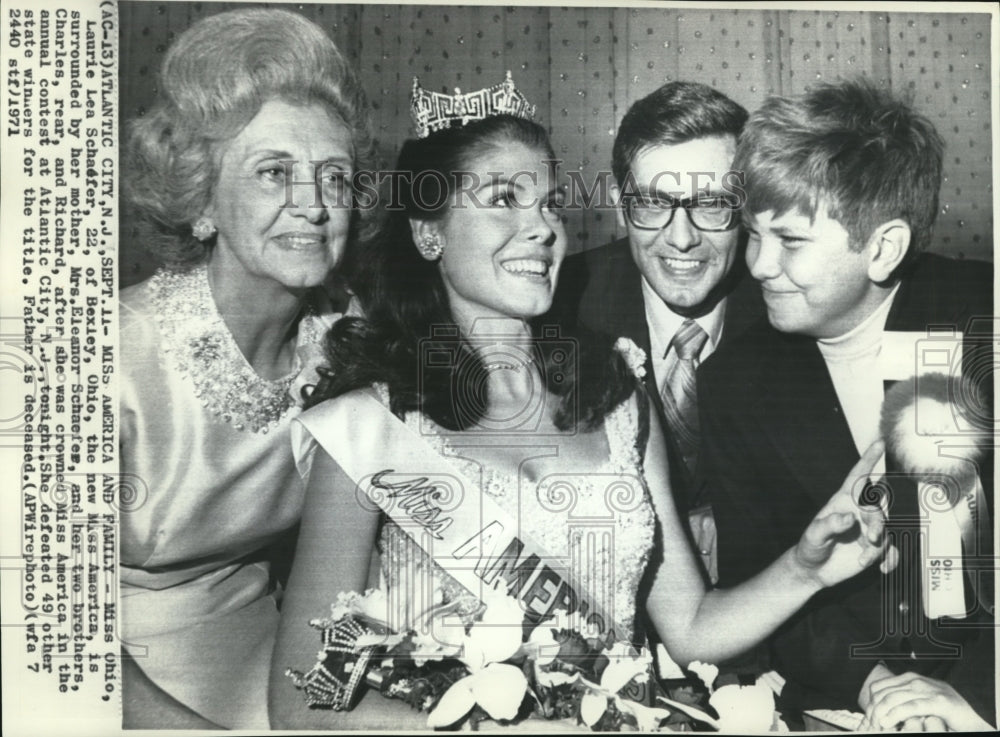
680,393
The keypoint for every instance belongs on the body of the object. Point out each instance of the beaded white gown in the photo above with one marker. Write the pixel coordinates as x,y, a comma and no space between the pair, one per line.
208,494
599,521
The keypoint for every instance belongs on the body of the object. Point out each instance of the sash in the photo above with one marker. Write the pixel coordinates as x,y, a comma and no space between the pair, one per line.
461,529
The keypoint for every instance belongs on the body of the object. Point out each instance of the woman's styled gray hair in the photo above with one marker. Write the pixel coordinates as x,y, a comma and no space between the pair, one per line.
214,80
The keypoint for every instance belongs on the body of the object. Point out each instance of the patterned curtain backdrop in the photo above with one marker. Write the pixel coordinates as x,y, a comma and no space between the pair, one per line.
584,66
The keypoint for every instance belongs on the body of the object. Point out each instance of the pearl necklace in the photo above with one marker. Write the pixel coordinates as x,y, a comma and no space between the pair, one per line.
509,365
200,347
510,362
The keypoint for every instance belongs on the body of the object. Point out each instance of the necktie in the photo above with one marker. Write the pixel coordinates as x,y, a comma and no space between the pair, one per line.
679,394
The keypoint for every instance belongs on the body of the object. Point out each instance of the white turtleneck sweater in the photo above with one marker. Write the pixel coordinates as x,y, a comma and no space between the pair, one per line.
853,362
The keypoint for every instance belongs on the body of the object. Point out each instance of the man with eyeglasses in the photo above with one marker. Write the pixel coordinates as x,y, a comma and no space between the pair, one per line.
677,283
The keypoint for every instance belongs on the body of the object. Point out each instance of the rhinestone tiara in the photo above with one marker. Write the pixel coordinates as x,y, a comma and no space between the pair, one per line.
433,111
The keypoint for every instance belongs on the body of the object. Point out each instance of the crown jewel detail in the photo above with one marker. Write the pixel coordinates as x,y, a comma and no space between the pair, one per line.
433,111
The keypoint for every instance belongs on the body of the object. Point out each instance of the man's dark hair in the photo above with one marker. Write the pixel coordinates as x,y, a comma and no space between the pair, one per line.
675,113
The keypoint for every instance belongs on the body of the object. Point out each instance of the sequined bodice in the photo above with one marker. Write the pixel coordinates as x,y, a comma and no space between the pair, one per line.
599,520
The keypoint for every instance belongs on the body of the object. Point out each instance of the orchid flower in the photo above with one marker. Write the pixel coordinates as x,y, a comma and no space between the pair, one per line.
543,647
496,686
371,605
706,672
625,666
744,709
497,636
647,718
443,639
439,633
634,356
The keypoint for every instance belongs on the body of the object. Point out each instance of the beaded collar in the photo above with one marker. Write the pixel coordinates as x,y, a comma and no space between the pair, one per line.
200,347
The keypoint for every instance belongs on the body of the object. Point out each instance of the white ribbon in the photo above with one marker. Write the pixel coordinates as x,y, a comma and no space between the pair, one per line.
953,533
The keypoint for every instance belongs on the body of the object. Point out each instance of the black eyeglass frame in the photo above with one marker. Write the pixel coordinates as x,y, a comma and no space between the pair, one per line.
687,203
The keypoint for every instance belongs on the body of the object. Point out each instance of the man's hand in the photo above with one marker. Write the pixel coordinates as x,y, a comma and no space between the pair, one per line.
878,673
846,537
915,703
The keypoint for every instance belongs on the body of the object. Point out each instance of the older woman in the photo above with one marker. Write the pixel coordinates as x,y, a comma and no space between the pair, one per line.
216,348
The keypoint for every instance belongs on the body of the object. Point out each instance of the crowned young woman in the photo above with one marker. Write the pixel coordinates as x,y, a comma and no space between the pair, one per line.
456,447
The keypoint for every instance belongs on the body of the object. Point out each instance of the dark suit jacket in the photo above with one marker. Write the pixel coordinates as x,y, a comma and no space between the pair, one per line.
602,288
776,445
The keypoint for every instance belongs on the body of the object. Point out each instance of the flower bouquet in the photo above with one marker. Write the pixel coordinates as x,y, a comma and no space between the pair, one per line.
502,668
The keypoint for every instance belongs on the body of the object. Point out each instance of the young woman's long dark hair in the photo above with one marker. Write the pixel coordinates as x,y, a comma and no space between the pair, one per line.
408,338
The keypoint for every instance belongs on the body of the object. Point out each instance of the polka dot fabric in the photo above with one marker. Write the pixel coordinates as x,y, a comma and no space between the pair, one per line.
942,61
584,66
826,46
